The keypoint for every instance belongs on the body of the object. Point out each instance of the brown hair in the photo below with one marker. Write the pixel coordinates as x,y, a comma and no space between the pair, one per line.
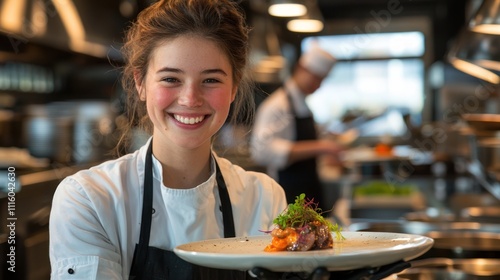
221,21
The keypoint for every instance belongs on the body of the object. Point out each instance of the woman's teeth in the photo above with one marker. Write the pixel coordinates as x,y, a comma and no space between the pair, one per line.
187,120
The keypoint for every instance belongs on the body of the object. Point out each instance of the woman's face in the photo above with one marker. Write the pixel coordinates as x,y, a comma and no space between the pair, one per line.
188,90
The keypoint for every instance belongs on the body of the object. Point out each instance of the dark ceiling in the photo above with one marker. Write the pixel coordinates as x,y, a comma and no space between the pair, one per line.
447,17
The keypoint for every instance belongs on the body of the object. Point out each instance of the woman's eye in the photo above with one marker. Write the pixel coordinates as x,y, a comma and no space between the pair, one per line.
211,81
170,80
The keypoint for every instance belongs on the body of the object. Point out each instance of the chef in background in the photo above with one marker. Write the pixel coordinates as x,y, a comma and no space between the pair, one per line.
284,137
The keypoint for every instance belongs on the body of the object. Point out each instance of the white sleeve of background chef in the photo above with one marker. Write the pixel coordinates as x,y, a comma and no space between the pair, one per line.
272,133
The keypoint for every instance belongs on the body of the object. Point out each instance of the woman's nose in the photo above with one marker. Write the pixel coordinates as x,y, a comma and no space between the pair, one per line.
190,96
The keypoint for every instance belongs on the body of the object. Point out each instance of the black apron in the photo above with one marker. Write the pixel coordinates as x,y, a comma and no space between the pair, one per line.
154,263
302,176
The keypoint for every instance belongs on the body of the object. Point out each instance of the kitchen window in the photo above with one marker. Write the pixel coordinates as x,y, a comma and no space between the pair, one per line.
376,74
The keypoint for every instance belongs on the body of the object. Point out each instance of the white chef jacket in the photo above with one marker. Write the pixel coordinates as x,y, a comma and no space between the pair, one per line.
96,214
274,130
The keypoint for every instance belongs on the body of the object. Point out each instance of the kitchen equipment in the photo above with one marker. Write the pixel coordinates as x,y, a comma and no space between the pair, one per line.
430,214
423,228
456,269
93,128
484,214
20,158
459,201
444,140
488,152
48,131
453,239
458,244
480,174
64,132
6,129
483,122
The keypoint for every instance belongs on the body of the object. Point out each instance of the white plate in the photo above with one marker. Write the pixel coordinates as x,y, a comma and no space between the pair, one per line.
360,249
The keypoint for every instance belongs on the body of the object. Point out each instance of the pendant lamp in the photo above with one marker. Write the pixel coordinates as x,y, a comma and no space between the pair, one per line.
311,22
487,18
287,8
478,55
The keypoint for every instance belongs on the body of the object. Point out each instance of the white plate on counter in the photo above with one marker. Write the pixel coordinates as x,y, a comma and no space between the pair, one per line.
358,250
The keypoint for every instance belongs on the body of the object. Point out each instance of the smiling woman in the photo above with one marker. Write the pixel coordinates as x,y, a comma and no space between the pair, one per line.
188,93
185,68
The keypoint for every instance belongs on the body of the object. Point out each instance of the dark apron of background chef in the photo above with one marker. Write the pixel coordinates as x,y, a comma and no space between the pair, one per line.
154,263
302,176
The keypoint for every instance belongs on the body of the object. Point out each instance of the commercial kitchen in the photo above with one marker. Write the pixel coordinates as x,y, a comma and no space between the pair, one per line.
413,97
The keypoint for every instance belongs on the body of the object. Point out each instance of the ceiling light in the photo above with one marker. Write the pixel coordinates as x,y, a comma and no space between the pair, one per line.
11,15
487,18
475,70
284,8
312,21
305,25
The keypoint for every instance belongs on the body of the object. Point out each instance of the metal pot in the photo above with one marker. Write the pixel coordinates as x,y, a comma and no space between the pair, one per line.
79,131
48,131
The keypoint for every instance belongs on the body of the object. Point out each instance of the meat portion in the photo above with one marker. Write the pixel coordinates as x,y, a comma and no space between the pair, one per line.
301,227
324,237
312,236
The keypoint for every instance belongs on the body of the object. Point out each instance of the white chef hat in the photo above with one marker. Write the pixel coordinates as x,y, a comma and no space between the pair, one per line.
317,60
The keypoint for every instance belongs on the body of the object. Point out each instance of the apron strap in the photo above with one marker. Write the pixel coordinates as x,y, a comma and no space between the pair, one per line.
140,259
141,251
227,212
290,101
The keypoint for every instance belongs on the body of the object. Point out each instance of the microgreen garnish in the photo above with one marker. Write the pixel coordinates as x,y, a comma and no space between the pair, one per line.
303,212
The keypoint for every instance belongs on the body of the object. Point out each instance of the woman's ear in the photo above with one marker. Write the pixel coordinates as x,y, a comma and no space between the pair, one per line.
233,93
139,85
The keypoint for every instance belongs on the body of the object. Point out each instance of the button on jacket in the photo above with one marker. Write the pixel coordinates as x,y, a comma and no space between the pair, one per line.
96,214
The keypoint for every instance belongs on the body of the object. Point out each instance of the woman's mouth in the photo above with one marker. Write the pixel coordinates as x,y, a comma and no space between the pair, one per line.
189,120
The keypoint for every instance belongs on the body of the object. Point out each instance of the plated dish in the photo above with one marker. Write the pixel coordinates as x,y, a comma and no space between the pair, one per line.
358,250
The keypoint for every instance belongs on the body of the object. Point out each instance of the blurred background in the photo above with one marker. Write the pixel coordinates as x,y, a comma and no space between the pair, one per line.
414,96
